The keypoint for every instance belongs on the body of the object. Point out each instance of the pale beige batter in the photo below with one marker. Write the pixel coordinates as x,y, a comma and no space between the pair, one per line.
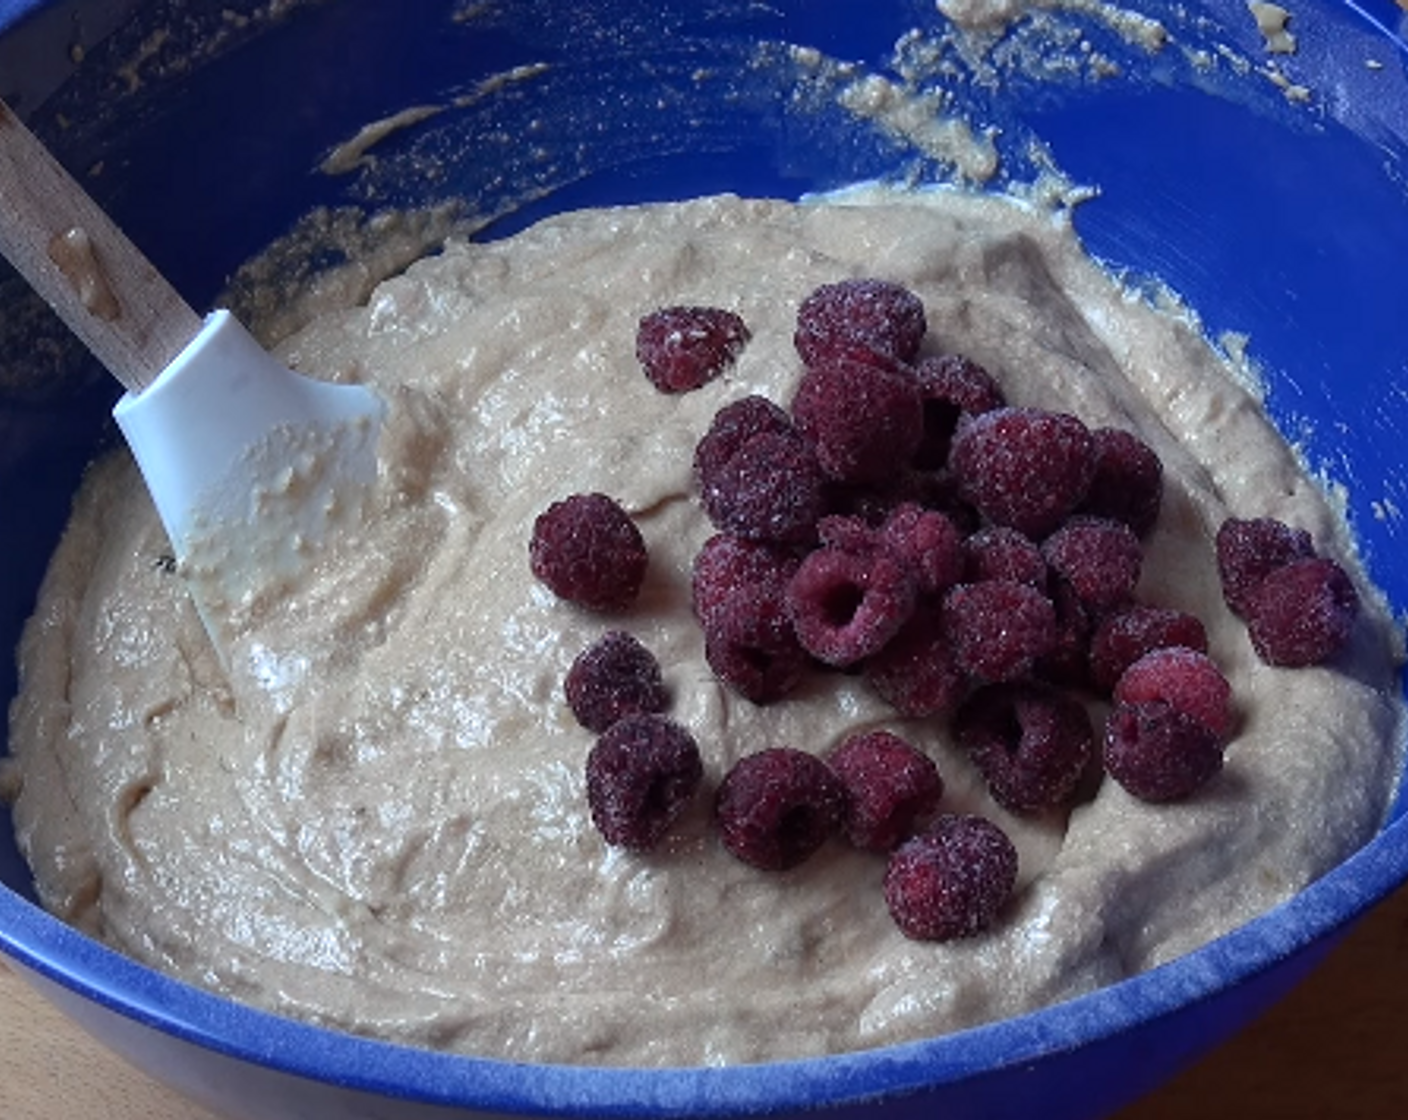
377,821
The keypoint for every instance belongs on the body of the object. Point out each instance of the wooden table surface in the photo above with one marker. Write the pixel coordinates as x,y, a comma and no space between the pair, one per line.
1335,1049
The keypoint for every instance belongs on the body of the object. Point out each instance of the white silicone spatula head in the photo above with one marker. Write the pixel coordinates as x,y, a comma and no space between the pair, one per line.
250,465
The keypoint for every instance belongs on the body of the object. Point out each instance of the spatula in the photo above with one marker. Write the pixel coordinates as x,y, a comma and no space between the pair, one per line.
251,465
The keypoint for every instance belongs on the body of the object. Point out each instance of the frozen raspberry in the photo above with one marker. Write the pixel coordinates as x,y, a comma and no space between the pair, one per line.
1024,467
997,552
999,628
1099,558
890,785
1250,550
951,880
1122,639
850,533
771,489
860,320
1302,614
865,422
1031,742
640,776
682,348
733,426
778,806
929,542
916,672
951,386
847,605
587,550
1159,753
613,678
728,563
1185,679
750,643
1067,663
1128,484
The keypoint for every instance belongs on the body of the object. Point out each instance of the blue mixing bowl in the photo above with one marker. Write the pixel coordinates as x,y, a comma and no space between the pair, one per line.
1274,202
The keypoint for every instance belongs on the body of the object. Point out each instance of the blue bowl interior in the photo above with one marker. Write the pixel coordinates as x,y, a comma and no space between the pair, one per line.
1286,221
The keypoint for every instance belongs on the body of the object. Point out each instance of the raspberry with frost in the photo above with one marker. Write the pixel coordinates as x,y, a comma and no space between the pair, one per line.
952,880
587,550
1302,614
929,542
749,642
733,426
916,672
1099,558
684,348
1122,639
1159,753
998,629
728,563
891,787
846,605
998,552
776,807
1184,679
951,386
614,677
1026,468
865,422
1031,742
863,319
641,774
771,489
1128,482
1248,550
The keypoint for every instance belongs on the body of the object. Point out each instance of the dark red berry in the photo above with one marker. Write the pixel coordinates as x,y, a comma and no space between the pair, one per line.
771,489
951,386
683,348
613,678
865,422
1128,483
850,533
750,643
860,319
916,672
1302,614
929,542
587,550
847,605
1024,467
998,629
778,806
998,552
1159,753
951,880
727,563
1030,741
1250,550
1122,639
641,774
1184,679
1067,663
1100,560
733,426
891,787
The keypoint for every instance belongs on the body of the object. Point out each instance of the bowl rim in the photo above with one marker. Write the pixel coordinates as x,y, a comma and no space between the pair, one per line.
57,952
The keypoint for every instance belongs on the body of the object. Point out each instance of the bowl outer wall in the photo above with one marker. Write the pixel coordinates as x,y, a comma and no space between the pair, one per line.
1233,173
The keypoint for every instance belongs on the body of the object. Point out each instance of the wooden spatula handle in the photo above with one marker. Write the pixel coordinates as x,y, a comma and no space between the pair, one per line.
73,255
